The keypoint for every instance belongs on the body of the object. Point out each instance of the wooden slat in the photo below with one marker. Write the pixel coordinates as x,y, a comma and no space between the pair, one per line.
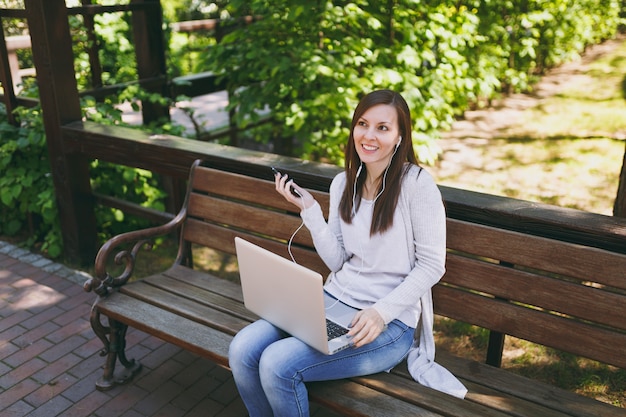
511,385
207,282
533,325
355,400
512,404
530,217
188,334
246,188
223,239
192,294
402,386
581,301
248,217
582,262
203,313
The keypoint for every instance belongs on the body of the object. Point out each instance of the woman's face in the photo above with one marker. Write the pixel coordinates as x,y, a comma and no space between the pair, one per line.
376,134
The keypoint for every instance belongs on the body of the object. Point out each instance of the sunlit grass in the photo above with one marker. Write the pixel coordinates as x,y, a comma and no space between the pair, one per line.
576,173
566,116
566,151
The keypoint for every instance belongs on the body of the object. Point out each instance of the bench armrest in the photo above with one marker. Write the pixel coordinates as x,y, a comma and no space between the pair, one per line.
102,282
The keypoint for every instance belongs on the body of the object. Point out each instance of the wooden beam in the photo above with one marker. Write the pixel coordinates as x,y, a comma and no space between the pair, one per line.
173,156
54,60
150,52
7,78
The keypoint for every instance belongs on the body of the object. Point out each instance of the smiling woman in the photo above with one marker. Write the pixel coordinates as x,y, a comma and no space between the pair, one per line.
385,247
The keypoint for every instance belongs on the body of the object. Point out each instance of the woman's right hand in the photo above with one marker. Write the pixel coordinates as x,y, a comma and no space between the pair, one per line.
284,184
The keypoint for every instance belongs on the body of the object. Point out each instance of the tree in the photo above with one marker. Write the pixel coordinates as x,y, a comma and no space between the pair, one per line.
308,62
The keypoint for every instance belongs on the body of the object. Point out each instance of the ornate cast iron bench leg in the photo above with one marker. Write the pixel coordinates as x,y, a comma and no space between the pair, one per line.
114,339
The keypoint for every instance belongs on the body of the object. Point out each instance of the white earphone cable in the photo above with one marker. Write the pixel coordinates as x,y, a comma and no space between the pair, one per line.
347,287
294,233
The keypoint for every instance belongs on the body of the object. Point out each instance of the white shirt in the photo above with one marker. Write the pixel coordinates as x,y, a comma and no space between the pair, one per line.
376,265
399,266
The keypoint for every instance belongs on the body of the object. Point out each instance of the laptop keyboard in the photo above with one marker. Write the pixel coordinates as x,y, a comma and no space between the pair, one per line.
334,330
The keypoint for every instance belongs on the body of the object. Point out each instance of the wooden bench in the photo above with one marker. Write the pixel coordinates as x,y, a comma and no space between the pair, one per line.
558,294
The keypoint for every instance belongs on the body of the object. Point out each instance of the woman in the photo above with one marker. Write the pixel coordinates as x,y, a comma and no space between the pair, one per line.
385,244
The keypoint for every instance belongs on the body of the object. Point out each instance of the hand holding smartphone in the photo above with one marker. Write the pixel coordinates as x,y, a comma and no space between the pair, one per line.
293,190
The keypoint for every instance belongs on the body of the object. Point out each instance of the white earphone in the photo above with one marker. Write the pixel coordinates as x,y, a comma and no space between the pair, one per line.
399,141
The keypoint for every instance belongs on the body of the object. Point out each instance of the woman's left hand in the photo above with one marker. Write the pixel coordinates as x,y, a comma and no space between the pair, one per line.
366,326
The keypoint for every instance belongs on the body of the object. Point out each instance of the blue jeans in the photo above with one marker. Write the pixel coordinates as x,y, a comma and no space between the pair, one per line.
270,367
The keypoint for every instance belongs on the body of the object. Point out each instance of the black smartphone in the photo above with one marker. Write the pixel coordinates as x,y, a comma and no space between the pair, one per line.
293,190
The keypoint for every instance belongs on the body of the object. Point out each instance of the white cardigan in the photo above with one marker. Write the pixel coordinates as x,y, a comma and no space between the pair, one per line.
422,210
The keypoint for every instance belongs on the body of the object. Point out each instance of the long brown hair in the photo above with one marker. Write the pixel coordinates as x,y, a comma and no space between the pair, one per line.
385,205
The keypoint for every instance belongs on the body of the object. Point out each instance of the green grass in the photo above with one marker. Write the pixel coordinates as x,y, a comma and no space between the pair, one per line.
594,104
566,151
567,172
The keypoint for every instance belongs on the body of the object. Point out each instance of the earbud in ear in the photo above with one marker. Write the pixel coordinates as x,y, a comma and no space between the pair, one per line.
399,141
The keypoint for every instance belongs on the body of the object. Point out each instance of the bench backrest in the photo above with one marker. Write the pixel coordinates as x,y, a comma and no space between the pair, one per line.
558,294
223,205
566,296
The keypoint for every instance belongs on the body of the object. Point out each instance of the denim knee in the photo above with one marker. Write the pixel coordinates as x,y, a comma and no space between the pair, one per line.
275,362
237,351
282,381
248,344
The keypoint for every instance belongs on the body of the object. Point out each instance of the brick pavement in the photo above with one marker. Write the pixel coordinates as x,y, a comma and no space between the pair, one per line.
49,356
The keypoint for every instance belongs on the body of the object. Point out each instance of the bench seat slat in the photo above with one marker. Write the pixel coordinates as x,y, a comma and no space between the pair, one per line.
517,386
541,253
196,295
188,334
355,400
190,309
516,405
400,385
207,282
577,300
533,325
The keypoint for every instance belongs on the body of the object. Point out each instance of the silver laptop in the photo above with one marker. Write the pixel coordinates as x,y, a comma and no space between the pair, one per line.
291,297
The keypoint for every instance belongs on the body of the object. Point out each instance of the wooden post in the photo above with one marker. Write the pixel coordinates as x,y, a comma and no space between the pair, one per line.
619,208
58,92
6,78
150,53
93,48
151,65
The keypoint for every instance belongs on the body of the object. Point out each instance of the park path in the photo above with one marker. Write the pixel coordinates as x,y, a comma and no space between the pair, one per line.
50,361
477,127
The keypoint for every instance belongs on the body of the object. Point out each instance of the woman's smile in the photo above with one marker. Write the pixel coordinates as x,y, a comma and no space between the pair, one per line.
376,135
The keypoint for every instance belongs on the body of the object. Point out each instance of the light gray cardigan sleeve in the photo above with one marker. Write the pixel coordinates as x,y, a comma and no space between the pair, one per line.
327,236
